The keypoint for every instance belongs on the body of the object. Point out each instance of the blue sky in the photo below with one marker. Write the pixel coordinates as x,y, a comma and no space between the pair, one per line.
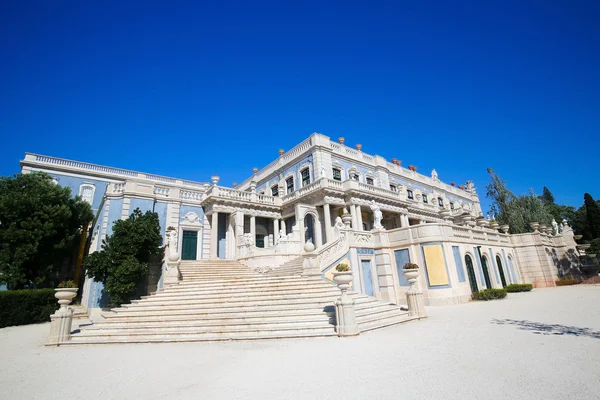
190,89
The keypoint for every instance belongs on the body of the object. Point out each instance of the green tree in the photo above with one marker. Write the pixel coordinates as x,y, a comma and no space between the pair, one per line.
547,196
516,211
40,223
123,260
593,215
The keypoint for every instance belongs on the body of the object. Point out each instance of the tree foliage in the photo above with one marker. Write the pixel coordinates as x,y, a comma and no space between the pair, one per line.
593,215
559,212
40,223
123,260
516,211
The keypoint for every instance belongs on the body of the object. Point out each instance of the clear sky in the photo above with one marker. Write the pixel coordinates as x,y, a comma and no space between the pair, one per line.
190,89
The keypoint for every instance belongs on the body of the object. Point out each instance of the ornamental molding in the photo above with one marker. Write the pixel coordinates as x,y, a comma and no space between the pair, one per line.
191,218
334,200
245,211
383,206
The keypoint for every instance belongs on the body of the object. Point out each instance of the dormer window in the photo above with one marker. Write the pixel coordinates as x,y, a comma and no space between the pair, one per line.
440,202
305,173
425,199
370,181
354,177
410,195
289,184
452,206
393,188
275,191
337,174
86,192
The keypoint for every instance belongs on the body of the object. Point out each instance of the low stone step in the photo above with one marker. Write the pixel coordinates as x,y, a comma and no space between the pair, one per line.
233,281
304,288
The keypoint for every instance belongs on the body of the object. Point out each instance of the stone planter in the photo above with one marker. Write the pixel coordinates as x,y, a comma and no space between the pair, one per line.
481,222
343,280
65,296
411,275
494,225
504,228
534,226
577,237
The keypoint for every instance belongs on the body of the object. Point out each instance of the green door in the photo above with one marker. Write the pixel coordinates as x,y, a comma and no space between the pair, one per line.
189,245
502,278
486,273
471,273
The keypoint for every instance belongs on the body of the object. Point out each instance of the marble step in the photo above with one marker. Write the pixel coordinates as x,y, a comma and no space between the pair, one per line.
241,280
166,294
242,286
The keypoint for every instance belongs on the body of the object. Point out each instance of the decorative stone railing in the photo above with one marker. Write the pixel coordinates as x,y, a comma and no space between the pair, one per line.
243,196
189,195
447,232
161,191
347,238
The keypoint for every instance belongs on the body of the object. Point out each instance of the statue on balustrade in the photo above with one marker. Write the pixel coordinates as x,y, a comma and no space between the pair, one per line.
377,215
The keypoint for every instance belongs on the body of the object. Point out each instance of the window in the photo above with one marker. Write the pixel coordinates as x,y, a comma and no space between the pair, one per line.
354,177
370,181
275,191
289,183
337,174
305,173
262,192
440,202
393,188
86,191
425,199
409,194
452,206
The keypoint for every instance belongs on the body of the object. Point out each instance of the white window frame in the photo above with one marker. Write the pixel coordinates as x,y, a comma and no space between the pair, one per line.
84,186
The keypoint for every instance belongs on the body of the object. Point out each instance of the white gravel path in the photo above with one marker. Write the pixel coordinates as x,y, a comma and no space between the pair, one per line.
460,352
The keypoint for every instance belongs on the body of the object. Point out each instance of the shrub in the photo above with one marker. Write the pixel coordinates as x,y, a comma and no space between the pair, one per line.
22,307
566,281
67,284
342,267
410,265
519,287
489,294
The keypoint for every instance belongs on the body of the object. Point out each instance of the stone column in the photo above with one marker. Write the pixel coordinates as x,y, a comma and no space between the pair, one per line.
214,234
328,227
318,233
353,214
359,220
253,228
275,231
283,227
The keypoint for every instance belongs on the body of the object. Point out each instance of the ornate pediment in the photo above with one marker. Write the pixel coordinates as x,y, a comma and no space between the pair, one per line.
191,218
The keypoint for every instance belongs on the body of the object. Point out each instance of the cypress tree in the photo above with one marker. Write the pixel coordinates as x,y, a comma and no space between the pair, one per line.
593,215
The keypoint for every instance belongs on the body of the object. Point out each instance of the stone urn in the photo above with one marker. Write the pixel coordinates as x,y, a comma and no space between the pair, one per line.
577,237
481,222
347,218
65,296
534,226
543,229
504,228
343,280
494,225
411,275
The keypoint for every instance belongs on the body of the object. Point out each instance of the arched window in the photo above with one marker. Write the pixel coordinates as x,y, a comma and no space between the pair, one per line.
471,273
86,192
440,202
425,199
289,184
410,195
337,174
501,270
275,190
370,181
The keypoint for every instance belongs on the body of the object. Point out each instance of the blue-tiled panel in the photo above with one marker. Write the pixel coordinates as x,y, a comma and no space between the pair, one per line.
479,267
74,183
365,251
459,264
367,277
402,257
114,214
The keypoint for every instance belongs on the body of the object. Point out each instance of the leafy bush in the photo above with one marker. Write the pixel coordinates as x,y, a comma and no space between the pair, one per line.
567,282
22,307
519,287
123,261
489,294
67,284
410,265
341,267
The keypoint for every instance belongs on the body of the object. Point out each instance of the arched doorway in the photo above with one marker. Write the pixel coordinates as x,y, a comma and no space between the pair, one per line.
471,273
486,273
309,229
499,263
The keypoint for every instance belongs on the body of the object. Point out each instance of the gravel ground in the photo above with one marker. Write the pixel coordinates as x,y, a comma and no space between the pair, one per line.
543,344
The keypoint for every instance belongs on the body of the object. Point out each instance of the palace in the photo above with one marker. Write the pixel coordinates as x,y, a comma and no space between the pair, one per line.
372,214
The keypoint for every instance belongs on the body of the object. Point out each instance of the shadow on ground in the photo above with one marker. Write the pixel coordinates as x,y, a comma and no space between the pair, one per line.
545,329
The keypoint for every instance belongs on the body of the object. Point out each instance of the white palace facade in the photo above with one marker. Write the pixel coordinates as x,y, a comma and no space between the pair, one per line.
369,212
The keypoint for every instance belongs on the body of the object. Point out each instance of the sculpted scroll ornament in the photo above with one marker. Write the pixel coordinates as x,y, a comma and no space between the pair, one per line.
191,217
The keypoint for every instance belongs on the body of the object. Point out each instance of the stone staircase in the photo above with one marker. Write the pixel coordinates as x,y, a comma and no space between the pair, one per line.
225,300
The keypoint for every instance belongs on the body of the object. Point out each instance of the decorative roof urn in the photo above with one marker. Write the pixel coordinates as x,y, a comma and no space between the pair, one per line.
359,147
534,226
504,228
341,140
215,179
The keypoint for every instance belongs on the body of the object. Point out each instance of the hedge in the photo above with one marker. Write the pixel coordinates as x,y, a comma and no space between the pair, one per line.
519,287
567,281
22,307
489,294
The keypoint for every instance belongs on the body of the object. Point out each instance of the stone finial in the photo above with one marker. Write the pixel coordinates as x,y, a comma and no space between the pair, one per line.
341,140
215,179
255,170
234,184
453,184
281,151
358,147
